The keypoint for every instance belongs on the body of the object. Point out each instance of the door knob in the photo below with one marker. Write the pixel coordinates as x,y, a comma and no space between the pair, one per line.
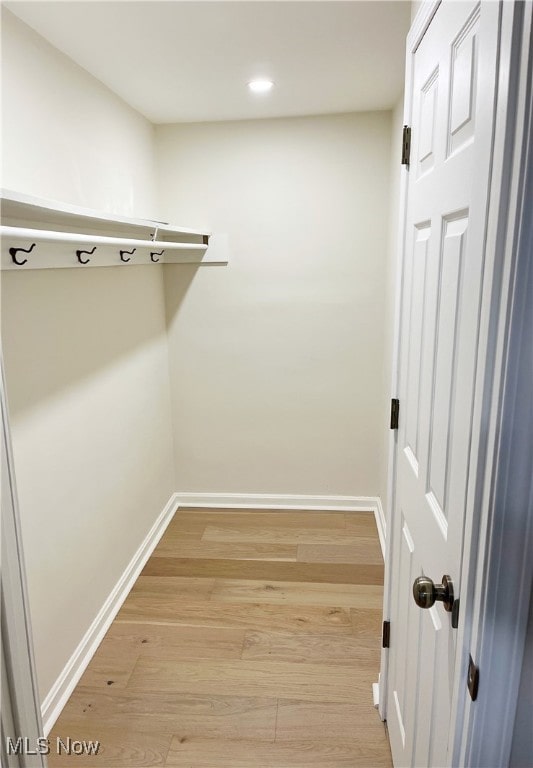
426,593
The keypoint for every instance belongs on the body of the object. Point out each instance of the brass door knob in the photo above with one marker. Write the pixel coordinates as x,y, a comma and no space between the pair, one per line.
426,593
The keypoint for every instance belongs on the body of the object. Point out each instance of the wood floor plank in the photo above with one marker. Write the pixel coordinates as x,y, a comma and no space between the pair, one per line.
250,640
366,550
210,753
361,523
217,510
260,519
284,680
297,593
285,618
112,664
206,716
276,535
314,648
304,720
331,573
185,529
246,512
180,586
215,550
180,642
119,748
367,623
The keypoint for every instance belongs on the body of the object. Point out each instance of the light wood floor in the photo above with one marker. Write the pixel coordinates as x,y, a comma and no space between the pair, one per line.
250,640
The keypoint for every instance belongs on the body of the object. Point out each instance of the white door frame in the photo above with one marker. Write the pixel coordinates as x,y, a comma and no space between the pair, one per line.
471,729
501,594
21,713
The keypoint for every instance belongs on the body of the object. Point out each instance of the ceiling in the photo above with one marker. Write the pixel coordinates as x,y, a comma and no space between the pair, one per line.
191,61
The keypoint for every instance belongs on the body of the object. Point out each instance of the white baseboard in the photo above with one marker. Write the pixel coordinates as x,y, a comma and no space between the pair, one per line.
278,501
381,524
66,682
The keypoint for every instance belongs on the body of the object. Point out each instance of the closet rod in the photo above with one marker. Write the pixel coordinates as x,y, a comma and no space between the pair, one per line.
20,233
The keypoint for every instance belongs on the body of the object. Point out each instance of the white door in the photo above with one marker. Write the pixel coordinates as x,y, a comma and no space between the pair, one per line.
453,84
20,715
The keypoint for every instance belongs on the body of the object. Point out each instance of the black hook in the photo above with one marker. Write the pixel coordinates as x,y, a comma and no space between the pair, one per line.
123,252
156,253
84,261
14,251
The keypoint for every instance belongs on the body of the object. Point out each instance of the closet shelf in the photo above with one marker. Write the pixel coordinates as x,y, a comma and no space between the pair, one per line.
42,234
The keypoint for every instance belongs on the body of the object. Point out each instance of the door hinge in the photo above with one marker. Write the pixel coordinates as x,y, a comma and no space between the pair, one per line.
385,642
394,412
455,614
472,681
406,146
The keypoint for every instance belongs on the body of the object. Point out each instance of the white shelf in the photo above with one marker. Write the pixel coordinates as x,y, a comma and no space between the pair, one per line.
58,230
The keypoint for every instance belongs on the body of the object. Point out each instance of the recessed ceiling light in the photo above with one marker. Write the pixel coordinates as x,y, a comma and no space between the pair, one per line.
260,86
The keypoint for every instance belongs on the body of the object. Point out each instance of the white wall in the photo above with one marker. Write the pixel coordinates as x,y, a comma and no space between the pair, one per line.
277,360
85,358
66,136
85,352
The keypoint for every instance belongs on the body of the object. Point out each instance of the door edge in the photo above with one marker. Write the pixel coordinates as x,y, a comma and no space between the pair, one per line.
484,729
